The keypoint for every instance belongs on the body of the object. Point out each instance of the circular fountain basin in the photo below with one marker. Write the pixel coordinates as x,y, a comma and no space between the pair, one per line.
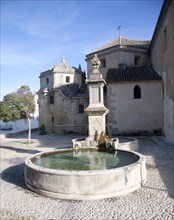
84,174
128,143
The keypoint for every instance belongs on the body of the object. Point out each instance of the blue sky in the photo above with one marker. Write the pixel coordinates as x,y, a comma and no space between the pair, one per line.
35,34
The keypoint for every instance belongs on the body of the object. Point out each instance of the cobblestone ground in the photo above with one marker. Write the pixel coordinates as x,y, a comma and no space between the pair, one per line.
155,200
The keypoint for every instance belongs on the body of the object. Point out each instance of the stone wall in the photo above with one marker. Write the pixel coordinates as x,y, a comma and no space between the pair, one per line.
63,115
162,56
62,99
133,115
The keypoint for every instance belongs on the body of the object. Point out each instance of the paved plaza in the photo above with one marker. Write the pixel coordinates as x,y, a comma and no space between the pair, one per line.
155,200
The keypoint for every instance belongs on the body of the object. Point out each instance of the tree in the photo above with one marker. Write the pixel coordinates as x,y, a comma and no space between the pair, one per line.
7,114
17,104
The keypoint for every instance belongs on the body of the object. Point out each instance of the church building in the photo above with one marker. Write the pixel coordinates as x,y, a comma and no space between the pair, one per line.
140,85
134,89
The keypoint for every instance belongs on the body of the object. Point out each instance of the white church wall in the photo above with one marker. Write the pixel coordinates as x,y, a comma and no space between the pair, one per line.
113,58
66,78
130,115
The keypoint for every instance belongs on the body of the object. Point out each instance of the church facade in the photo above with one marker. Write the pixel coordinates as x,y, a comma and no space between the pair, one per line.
134,89
139,91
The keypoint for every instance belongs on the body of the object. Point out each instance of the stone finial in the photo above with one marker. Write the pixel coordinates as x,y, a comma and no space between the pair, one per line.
95,74
80,68
95,62
63,60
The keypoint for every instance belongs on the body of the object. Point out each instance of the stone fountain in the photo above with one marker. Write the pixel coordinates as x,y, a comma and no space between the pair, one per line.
94,168
97,112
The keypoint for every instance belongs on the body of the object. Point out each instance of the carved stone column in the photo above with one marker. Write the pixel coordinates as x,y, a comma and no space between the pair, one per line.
96,110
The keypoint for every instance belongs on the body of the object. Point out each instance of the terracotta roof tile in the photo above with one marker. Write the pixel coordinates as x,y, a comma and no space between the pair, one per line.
144,44
137,73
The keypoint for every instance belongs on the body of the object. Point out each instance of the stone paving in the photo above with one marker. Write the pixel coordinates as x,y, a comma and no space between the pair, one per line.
155,200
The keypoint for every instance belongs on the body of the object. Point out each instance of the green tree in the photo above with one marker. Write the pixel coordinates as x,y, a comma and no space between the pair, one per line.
7,114
17,104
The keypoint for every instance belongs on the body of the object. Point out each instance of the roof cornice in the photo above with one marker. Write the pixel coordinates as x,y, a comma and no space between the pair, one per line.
117,48
128,44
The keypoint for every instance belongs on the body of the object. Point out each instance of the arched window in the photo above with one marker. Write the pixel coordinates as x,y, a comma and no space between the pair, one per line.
137,92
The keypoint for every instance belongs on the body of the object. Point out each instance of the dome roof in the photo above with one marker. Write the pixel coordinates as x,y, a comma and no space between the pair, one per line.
63,67
136,44
45,73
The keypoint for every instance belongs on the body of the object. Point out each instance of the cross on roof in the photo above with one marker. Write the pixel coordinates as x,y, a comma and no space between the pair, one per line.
119,27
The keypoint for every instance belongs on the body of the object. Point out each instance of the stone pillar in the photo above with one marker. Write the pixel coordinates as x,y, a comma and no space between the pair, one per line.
96,110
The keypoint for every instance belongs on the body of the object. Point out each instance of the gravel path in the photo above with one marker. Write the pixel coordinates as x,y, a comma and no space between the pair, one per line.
155,200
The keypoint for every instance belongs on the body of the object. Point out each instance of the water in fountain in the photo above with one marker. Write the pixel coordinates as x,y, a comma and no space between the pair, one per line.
89,159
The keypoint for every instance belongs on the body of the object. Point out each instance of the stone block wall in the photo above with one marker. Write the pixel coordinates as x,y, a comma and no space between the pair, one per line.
63,115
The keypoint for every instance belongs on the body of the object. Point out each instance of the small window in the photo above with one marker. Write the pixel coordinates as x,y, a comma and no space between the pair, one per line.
137,92
137,60
103,63
51,99
47,81
81,108
67,79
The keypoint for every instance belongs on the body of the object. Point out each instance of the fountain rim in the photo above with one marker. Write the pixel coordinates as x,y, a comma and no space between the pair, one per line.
131,139
130,145
31,165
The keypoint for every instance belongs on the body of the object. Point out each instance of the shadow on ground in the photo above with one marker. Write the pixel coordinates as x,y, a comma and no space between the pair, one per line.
14,175
19,150
163,156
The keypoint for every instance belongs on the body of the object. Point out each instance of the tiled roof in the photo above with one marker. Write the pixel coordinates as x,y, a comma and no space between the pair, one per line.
63,67
73,90
137,73
46,73
144,44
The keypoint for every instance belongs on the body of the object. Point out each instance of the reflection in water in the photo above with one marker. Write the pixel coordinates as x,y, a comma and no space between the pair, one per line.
85,160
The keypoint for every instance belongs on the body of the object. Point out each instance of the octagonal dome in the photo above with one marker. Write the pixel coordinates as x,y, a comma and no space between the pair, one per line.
63,67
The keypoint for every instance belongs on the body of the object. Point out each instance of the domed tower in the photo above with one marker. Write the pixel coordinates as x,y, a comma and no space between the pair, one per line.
62,98
60,75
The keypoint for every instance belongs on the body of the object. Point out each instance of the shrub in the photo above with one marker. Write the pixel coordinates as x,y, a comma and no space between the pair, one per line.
42,130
